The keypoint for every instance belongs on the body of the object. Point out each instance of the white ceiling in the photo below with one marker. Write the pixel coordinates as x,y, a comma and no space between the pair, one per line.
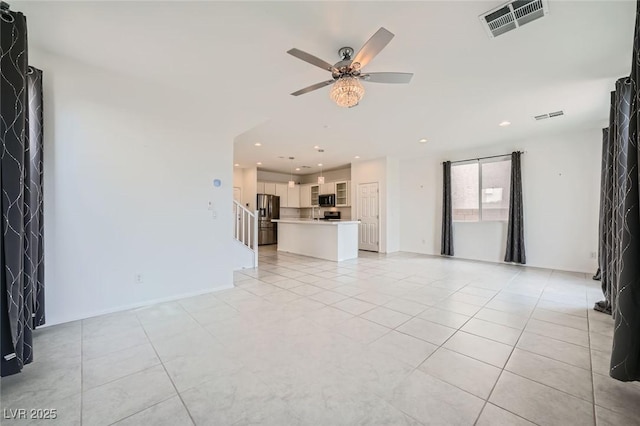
233,56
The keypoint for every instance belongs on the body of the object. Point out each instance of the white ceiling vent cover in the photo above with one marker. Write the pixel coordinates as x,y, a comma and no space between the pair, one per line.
548,115
513,15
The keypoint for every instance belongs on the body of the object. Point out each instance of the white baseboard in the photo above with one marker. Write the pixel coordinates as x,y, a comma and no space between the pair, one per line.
58,321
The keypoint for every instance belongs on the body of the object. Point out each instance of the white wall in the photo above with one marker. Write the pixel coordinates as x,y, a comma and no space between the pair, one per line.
237,177
264,176
561,178
128,178
384,171
246,180
329,176
249,187
393,205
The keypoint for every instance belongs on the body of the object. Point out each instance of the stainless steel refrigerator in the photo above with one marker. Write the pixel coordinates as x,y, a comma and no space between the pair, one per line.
268,209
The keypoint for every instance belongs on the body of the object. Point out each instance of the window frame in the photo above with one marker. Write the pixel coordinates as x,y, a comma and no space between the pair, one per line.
480,162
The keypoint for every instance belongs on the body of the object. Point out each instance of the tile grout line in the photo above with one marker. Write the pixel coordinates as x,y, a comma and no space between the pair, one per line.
144,409
166,371
511,353
593,385
444,342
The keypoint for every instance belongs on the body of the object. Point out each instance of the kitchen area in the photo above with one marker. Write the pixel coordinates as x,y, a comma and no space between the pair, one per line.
305,217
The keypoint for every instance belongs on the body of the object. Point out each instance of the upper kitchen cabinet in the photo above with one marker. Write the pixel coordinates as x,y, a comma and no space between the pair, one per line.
343,198
328,188
283,193
270,188
305,196
293,196
315,191
260,188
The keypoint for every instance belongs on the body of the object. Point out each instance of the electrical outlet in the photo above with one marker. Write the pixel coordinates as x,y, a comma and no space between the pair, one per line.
138,278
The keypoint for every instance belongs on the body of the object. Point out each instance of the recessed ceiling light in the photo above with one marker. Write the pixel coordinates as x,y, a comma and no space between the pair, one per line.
257,144
319,164
236,164
259,163
505,124
423,140
357,156
316,147
297,169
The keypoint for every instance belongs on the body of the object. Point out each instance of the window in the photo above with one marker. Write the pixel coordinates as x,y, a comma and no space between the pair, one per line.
480,190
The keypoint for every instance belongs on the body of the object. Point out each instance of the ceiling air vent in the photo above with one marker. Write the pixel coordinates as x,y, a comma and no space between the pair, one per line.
549,115
513,15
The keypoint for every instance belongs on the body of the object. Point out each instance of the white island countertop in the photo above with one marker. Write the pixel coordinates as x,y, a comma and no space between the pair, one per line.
314,221
335,240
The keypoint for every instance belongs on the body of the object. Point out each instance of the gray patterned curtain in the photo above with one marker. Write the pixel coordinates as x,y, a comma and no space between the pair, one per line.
625,284
447,213
515,228
21,249
605,240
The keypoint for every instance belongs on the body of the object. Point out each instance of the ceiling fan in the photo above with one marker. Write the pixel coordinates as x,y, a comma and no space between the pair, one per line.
346,74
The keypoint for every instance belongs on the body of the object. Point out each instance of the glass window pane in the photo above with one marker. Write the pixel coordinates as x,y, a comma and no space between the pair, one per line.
464,192
496,179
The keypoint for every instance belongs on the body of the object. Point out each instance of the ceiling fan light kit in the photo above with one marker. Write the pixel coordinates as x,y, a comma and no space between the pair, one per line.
347,90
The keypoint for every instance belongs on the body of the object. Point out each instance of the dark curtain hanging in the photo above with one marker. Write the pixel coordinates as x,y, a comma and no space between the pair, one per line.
447,211
515,228
625,287
605,240
619,226
21,248
34,223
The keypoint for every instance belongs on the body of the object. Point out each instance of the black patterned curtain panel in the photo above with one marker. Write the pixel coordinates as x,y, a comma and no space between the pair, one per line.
619,225
21,245
515,229
605,240
447,211
625,281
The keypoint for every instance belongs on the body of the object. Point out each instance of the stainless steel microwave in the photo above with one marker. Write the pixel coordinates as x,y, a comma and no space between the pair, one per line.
327,200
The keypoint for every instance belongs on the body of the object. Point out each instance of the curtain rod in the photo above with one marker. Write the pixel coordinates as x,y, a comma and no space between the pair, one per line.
484,158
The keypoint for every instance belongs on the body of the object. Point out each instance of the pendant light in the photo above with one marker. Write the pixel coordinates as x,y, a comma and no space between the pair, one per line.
321,177
292,183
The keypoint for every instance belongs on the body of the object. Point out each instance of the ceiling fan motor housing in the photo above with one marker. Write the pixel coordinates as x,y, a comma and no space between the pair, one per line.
345,67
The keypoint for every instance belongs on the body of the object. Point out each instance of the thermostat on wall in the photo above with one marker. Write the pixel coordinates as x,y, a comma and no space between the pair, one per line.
217,182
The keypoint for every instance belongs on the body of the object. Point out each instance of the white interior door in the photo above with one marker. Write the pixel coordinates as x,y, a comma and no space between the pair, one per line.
368,214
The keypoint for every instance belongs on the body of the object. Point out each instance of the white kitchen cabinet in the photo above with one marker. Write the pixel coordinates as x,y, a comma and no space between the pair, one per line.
270,188
328,188
293,196
282,192
305,196
260,188
343,194
315,191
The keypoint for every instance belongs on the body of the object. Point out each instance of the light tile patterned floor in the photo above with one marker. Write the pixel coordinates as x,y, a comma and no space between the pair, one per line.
397,339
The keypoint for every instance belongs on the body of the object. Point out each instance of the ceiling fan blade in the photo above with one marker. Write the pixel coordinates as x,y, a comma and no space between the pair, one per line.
313,60
387,77
373,46
312,88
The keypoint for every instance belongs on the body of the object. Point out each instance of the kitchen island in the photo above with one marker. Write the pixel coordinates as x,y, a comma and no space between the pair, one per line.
335,240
